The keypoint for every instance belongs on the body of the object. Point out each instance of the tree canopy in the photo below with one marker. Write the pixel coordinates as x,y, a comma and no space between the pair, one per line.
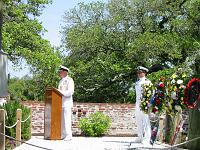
104,43
107,41
22,39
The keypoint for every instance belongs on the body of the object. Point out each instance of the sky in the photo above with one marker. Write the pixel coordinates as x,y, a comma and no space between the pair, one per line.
52,20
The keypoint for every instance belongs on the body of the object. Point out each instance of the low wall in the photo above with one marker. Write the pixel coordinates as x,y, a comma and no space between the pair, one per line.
122,116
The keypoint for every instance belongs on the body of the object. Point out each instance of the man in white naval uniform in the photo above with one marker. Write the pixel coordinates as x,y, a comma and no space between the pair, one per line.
142,119
66,87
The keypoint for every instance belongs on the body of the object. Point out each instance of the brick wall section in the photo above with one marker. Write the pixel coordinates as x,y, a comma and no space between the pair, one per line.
122,115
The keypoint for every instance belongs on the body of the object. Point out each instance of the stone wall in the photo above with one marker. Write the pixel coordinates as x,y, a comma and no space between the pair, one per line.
122,115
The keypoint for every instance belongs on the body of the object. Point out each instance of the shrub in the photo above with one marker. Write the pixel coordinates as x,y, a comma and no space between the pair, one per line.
11,108
95,125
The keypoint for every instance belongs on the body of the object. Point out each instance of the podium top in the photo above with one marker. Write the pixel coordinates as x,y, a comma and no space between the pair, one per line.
55,90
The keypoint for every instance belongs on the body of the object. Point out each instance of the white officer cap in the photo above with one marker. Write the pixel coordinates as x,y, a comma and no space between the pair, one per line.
140,68
64,68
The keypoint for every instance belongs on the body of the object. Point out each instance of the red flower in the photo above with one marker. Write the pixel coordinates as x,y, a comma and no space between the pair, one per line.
154,110
161,95
157,102
154,133
161,85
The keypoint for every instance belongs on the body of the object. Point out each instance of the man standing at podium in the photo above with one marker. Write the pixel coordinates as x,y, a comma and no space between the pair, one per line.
66,87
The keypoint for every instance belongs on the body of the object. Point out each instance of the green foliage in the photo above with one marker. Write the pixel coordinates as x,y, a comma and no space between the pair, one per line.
11,109
26,88
22,40
106,77
22,89
95,125
155,46
107,41
166,73
22,31
131,95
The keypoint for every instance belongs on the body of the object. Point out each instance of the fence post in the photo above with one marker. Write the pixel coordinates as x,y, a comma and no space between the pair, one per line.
18,127
30,121
2,129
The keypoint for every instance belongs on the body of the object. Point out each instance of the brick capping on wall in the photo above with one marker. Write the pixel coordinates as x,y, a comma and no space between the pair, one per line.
122,116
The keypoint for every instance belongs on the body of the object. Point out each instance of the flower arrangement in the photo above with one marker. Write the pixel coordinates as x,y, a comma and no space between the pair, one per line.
192,93
175,92
158,99
167,95
147,94
154,97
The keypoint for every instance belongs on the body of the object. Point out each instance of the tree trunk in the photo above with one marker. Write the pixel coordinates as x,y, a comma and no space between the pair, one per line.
172,132
194,127
169,128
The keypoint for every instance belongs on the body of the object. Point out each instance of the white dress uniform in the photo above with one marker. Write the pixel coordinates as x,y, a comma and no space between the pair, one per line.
142,119
66,87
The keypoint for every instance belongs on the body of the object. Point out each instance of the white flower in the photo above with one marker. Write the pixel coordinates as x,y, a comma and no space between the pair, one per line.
182,86
180,81
149,92
153,116
173,95
173,81
178,108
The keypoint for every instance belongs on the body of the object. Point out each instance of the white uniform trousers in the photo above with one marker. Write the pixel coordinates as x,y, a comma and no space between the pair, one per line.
66,122
143,125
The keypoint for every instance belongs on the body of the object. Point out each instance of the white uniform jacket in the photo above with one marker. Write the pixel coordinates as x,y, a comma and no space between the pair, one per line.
66,87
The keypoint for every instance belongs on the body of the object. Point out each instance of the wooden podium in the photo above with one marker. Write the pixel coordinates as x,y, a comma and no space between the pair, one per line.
53,114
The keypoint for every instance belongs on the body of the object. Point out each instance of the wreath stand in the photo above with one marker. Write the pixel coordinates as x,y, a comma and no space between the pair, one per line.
179,123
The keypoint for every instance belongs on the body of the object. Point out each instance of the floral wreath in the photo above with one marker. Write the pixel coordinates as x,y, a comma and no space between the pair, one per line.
158,99
175,92
147,94
192,93
167,95
153,97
